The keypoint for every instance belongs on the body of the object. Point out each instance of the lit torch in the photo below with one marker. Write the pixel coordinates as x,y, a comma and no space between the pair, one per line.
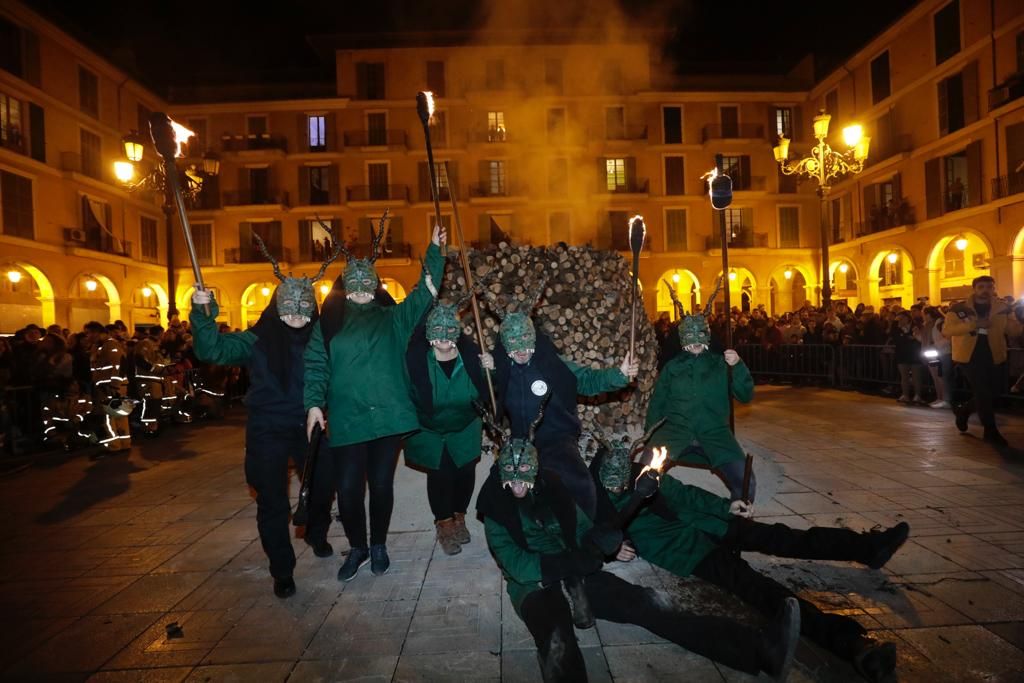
658,457
637,235
425,109
646,485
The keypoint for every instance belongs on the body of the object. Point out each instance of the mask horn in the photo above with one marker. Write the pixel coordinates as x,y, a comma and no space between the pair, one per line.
378,237
639,444
680,312
540,416
266,254
711,299
338,249
492,425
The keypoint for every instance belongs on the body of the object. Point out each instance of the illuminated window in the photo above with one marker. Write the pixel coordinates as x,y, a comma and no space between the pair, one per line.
316,127
495,126
615,172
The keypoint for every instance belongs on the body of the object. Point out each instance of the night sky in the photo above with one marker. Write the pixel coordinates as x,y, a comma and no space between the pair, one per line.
231,42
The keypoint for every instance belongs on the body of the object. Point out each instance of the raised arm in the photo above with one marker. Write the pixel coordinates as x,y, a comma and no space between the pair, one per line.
591,381
410,311
230,348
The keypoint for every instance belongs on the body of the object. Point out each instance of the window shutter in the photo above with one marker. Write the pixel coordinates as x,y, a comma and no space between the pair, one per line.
361,86
798,125
423,177
897,188
37,132
969,78
484,170
747,221
303,185
303,136
604,231
674,176
305,240
602,175
745,182
453,176
365,230
333,185
243,181
974,175
396,233
631,180
30,57
933,187
772,128
245,241
870,200
943,91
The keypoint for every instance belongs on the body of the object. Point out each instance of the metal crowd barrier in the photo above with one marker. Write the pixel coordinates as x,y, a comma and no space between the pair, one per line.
813,361
863,364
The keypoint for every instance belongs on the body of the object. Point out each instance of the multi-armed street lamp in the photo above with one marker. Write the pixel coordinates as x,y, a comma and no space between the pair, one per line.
826,165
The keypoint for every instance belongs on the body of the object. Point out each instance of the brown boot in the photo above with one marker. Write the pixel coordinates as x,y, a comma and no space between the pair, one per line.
446,537
461,533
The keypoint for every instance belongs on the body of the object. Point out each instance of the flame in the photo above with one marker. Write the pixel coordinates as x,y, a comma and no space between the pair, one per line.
429,96
181,136
710,177
658,457
637,219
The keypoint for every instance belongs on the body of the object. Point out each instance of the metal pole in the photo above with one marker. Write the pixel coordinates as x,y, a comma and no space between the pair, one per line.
724,238
826,287
172,304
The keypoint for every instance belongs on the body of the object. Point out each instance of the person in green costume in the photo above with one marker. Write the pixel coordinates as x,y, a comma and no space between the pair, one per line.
445,373
689,531
355,370
692,396
541,538
272,350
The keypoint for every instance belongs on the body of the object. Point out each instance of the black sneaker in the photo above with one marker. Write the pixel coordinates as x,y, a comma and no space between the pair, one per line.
379,561
779,638
284,588
886,543
321,548
875,661
961,419
357,557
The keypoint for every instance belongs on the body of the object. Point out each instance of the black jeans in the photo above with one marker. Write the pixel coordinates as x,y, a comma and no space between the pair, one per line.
449,488
355,465
546,614
985,378
725,568
268,447
562,458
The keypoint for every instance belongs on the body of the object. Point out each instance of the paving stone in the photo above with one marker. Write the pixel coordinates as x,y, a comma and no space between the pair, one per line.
359,629
152,593
163,675
968,653
634,664
449,666
241,673
457,624
362,669
155,647
84,645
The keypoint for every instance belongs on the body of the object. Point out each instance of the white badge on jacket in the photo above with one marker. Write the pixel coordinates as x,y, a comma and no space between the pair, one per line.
539,388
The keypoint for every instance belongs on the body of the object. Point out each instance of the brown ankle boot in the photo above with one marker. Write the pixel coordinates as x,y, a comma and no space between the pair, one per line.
461,533
446,536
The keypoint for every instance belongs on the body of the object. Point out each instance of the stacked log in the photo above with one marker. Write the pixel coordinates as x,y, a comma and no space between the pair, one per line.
584,309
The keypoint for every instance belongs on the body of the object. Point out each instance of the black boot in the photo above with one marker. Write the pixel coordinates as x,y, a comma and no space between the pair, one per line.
357,557
884,544
961,418
779,638
321,548
284,588
993,437
875,661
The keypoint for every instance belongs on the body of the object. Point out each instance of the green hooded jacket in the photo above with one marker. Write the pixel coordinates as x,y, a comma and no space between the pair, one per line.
363,381
453,423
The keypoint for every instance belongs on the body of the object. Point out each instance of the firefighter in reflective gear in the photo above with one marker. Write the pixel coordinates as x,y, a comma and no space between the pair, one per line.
150,363
210,384
116,434
109,383
65,415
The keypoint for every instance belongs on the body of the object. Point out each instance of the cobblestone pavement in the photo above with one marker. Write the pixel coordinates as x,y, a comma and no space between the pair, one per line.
98,557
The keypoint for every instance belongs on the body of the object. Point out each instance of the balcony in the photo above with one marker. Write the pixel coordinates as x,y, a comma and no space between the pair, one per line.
897,214
391,249
755,183
631,186
251,254
12,139
1006,185
425,195
96,239
883,147
376,138
377,193
491,135
253,142
626,133
787,184
251,198
743,131
745,238
1008,91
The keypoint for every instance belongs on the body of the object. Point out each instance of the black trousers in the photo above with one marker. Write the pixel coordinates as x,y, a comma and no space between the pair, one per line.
449,488
268,447
356,465
985,378
725,568
562,458
546,614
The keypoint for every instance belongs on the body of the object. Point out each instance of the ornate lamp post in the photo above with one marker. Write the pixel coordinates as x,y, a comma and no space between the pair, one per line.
826,165
154,180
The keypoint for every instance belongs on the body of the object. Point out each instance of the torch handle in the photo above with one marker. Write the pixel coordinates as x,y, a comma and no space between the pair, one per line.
434,189
748,467
724,239
464,260
174,183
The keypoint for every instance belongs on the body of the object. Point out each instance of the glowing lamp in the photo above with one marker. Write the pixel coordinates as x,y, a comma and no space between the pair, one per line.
324,289
893,257
821,124
14,276
860,151
90,285
732,275
133,144
676,278
852,135
147,292
781,150
265,291
211,164
788,274
843,268
961,243
385,286
124,171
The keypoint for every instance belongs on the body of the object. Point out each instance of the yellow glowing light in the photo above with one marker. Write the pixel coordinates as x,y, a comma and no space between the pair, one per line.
658,457
961,243
893,257
429,97
732,275
821,124
781,150
90,285
265,291
843,268
181,136
788,274
676,278
385,286
14,276
124,171
324,289
853,134
147,292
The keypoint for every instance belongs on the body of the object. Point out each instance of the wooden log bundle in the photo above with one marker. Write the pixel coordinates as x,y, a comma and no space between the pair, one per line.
584,309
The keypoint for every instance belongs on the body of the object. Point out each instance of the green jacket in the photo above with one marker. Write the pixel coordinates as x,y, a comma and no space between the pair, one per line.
363,382
692,394
454,423
677,545
521,566
210,346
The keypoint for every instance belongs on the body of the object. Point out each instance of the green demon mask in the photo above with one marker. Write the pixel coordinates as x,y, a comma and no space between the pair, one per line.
694,330
443,323
360,276
295,297
517,333
518,463
616,467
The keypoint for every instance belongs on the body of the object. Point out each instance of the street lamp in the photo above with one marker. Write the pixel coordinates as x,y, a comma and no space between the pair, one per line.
154,180
14,276
825,165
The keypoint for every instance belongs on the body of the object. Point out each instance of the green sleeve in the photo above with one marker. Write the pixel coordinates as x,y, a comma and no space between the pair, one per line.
210,346
591,382
409,312
519,565
657,405
317,371
742,383
683,497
